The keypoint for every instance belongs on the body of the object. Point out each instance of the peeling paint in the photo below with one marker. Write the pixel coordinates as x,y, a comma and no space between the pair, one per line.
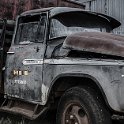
44,94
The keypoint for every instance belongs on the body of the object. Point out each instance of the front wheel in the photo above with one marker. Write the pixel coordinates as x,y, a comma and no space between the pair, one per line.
81,106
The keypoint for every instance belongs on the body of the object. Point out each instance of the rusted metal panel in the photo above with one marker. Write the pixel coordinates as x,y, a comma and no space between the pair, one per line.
74,3
80,1
115,8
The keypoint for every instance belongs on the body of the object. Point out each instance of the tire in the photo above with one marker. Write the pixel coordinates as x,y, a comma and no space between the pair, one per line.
81,106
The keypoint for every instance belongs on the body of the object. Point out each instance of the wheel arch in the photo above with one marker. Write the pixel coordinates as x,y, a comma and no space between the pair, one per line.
65,81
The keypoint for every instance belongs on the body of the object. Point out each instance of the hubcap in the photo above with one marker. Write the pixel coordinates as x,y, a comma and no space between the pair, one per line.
75,114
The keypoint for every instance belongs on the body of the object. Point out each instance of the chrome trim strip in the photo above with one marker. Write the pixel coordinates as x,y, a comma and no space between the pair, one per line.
32,61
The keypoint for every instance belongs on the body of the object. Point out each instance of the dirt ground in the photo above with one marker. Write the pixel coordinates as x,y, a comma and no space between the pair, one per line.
5,118
49,118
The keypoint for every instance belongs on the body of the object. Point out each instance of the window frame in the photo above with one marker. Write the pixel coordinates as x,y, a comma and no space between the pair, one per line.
39,22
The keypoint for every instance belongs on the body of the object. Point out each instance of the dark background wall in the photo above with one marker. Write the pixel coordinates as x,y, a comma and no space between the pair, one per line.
11,8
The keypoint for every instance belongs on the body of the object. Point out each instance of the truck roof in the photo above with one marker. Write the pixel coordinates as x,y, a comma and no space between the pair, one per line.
54,11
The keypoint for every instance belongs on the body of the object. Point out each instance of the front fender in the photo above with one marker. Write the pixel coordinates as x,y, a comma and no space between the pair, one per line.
106,76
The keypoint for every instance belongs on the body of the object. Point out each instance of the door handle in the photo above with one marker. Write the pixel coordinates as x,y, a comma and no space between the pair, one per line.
10,52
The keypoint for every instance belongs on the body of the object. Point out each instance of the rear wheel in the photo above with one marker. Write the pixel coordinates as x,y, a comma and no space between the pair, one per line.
81,106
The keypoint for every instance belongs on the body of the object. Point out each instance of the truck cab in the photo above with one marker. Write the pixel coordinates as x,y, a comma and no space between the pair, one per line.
44,55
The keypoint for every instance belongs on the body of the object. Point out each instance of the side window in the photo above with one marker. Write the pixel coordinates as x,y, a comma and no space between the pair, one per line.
31,29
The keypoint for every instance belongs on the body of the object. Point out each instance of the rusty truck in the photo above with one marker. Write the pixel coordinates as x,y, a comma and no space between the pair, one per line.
66,59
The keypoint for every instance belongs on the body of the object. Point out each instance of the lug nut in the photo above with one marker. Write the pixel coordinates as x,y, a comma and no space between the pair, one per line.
71,116
67,121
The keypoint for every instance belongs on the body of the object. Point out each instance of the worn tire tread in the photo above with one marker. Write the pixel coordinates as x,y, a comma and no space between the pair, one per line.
93,103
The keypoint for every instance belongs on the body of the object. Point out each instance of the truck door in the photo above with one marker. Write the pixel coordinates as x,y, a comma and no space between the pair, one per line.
25,59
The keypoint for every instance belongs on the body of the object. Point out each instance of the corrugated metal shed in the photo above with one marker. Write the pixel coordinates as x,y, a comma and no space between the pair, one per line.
114,8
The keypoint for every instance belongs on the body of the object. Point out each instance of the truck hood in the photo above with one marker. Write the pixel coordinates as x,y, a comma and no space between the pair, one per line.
97,42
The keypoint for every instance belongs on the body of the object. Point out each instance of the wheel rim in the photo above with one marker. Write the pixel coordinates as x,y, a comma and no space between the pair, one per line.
74,114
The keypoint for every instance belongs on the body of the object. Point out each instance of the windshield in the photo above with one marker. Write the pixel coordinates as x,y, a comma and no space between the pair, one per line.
66,24
27,32
31,29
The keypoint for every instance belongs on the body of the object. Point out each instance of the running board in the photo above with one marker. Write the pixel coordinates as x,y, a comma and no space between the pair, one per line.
28,110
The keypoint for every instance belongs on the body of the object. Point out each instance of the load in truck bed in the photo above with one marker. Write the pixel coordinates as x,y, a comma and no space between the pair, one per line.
96,42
